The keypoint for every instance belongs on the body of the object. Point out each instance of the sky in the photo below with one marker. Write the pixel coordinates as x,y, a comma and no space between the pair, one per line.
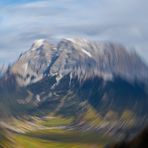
23,21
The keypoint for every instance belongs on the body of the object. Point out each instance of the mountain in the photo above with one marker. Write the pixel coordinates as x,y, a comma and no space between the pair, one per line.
3,69
31,65
75,77
81,58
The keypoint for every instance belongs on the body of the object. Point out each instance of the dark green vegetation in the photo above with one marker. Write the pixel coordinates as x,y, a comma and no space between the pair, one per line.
72,136
52,139
68,96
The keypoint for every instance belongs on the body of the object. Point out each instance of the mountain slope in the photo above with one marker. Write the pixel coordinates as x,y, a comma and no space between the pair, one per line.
81,58
31,65
61,79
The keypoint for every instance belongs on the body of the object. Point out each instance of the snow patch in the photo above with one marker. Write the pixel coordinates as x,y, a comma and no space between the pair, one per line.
25,66
37,44
38,98
71,40
86,52
77,41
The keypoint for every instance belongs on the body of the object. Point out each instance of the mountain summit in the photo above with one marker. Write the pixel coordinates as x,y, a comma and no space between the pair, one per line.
30,66
78,57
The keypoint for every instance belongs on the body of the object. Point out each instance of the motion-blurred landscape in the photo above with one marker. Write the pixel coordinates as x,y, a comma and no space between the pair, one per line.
72,90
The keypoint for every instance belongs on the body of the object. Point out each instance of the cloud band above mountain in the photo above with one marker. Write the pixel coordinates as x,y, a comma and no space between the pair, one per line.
115,20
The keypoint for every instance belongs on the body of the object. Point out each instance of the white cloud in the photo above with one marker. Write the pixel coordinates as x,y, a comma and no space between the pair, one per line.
115,20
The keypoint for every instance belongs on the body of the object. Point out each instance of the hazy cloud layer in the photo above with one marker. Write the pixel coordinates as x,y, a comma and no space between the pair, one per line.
22,22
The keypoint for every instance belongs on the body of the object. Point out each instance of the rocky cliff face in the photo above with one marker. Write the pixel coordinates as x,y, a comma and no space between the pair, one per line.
79,58
30,66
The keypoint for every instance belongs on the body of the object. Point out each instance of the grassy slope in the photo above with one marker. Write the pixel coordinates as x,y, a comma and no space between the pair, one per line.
30,142
57,121
69,136
55,138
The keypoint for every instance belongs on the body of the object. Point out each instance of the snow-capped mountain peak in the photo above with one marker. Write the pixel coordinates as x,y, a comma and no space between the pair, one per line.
81,58
38,43
32,63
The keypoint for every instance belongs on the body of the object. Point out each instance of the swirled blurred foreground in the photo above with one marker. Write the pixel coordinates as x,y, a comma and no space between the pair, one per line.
76,94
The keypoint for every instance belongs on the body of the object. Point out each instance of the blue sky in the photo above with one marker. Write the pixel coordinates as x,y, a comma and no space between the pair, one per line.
15,1
23,21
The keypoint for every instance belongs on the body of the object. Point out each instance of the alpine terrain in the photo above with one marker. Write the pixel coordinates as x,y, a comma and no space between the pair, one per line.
97,86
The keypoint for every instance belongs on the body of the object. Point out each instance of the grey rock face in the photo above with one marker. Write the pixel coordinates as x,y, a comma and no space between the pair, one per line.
81,58
87,59
30,66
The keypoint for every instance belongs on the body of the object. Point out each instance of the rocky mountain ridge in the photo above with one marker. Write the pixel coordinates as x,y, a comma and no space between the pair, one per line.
79,58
